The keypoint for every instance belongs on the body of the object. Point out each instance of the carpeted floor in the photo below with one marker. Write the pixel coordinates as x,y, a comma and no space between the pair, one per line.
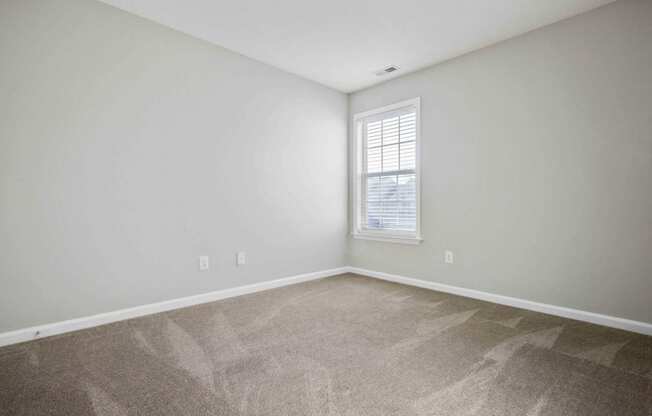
347,346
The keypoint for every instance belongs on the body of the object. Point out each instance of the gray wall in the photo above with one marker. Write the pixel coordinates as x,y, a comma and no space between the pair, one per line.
537,166
128,149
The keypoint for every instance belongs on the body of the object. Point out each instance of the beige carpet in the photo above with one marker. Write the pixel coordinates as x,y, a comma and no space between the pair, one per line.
347,346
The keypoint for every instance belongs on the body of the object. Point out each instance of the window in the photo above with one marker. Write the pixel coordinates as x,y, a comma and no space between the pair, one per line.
386,166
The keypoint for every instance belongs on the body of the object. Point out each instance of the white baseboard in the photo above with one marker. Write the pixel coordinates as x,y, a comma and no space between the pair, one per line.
56,328
594,318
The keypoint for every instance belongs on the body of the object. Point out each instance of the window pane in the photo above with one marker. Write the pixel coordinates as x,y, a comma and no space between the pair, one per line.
407,195
408,155
391,202
374,134
374,206
389,194
390,158
373,160
408,127
390,130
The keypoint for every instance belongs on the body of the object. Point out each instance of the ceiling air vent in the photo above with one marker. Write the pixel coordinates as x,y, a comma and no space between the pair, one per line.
387,70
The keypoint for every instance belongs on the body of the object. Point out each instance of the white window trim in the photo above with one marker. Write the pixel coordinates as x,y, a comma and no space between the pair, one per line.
390,236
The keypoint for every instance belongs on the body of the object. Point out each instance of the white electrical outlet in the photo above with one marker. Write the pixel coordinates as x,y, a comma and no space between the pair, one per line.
449,257
240,258
204,263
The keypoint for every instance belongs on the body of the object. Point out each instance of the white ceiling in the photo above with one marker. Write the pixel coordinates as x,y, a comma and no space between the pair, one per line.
343,43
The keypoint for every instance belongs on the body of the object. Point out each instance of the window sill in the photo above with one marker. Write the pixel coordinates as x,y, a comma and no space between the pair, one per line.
389,239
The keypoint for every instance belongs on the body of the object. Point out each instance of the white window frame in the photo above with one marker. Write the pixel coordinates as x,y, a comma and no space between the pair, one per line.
357,161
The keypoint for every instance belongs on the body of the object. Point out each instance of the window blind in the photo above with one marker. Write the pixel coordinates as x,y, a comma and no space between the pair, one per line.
389,197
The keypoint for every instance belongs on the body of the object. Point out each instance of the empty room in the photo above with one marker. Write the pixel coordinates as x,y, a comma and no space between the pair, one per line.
326,208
